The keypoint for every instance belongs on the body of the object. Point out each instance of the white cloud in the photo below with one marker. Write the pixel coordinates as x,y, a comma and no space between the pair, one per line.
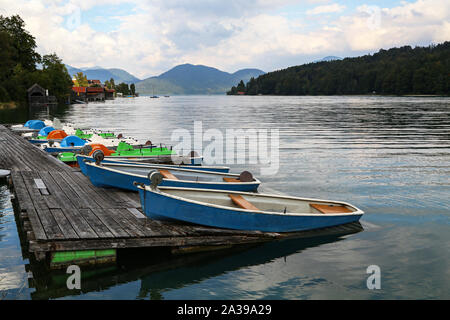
157,35
331,8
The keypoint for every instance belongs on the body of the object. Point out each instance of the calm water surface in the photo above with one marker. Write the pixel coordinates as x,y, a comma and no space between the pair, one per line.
389,156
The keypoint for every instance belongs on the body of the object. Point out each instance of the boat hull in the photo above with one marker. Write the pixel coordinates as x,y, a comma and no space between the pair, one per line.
101,177
37,141
81,163
145,160
167,159
56,150
158,206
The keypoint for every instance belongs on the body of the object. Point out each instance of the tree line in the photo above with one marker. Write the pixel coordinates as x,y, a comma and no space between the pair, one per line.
123,87
19,64
397,71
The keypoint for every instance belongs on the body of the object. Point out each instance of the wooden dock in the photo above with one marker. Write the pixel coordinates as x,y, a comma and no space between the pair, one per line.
67,219
63,212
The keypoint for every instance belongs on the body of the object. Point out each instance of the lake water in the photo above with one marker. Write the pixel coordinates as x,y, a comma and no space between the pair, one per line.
389,156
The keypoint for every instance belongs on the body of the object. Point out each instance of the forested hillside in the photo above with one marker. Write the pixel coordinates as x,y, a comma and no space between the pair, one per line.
18,61
397,71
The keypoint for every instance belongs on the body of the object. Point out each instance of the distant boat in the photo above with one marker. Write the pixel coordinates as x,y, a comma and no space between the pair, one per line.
153,96
244,210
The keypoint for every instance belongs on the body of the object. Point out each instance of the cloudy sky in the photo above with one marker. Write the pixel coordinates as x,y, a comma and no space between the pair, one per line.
147,38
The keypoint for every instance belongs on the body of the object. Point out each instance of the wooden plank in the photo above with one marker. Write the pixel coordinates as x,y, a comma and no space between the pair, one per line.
36,225
64,224
143,242
242,202
330,209
26,203
23,197
168,175
78,221
130,225
40,184
107,218
72,191
226,179
152,228
95,223
99,195
135,212
129,199
48,222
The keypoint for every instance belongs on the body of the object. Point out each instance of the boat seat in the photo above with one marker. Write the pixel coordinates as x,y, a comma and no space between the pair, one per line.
325,208
168,175
241,202
231,179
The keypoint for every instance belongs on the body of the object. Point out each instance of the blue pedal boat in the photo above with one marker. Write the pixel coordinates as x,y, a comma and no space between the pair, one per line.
124,176
41,136
29,126
82,159
68,144
244,210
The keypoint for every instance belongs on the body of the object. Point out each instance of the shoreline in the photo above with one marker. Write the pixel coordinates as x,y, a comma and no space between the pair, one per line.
8,105
347,95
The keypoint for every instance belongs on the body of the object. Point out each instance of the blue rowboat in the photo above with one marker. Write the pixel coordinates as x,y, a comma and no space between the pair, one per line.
193,159
81,159
244,210
123,176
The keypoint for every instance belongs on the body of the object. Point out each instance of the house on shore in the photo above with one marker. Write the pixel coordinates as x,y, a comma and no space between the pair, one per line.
95,91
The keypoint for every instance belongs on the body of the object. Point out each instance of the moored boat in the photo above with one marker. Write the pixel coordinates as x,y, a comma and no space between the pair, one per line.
68,144
82,159
142,154
244,210
76,143
124,176
30,126
54,136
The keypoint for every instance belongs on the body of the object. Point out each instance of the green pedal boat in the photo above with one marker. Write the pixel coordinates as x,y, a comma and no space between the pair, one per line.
123,151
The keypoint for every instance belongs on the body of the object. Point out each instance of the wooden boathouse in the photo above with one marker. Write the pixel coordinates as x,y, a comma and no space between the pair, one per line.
68,220
38,97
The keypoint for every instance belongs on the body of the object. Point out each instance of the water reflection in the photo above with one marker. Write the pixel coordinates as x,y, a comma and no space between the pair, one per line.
159,271
390,156
13,278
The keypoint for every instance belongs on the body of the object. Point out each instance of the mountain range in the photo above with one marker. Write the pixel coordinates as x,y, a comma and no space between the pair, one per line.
194,79
328,58
182,79
102,74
